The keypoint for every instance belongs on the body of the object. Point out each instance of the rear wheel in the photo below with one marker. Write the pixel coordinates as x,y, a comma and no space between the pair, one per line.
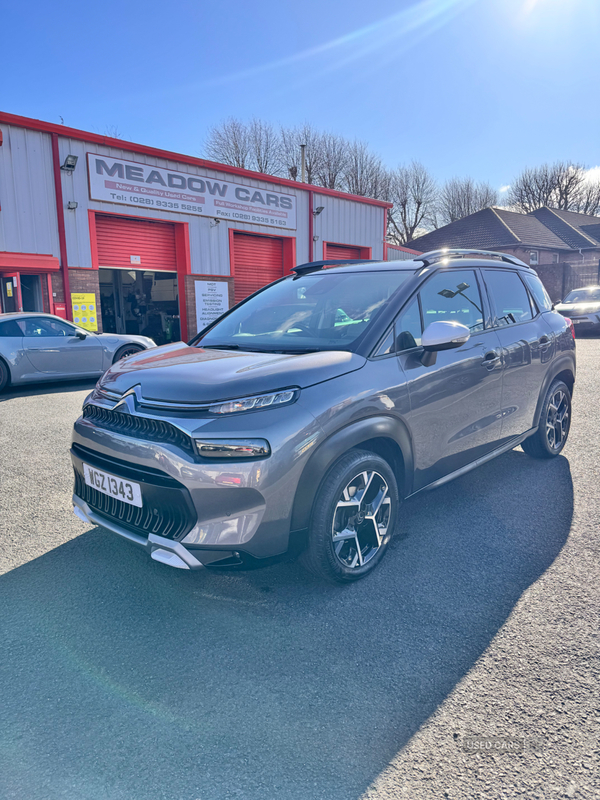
127,350
4,375
555,422
353,519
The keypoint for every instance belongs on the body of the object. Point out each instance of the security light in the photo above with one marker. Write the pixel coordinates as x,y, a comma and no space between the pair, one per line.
318,210
70,163
72,205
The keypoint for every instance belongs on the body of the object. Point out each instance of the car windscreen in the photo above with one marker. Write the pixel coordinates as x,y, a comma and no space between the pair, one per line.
319,311
583,296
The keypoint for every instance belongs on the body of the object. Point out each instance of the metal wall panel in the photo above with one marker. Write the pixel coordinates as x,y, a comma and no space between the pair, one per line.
348,222
28,217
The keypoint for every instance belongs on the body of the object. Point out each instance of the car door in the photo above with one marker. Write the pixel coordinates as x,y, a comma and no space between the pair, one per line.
54,348
527,344
455,404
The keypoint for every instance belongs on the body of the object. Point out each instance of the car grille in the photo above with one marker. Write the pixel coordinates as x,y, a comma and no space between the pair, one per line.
153,430
167,509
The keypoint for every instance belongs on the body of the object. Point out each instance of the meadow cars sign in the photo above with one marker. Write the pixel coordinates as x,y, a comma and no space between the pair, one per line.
131,183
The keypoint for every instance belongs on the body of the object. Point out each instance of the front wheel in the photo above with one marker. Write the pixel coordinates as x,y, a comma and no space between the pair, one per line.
353,518
127,350
4,375
555,423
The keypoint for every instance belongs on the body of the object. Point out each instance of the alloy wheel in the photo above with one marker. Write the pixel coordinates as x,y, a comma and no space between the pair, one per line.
361,519
557,420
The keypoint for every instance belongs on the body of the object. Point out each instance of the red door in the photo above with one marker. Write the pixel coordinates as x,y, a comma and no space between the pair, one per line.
151,244
257,260
343,251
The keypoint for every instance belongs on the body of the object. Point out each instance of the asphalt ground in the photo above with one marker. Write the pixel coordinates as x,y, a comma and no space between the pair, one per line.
124,679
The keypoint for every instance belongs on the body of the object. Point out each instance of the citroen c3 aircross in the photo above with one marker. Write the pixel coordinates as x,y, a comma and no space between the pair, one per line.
301,418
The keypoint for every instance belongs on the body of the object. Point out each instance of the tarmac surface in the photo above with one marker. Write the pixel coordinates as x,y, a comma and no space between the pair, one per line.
124,679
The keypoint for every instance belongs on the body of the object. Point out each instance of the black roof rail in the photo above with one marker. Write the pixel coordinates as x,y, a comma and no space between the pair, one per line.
449,252
313,266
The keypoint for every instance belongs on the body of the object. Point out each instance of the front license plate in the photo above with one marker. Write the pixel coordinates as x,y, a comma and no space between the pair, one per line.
113,486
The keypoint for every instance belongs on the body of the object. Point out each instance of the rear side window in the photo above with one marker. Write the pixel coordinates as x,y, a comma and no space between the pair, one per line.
538,290
453,296
10,328
509,298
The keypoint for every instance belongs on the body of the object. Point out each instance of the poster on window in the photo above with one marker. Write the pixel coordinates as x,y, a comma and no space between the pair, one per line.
212,300
84,310
133,183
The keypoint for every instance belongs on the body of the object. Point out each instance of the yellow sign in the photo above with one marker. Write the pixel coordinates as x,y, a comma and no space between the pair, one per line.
9,289
84,310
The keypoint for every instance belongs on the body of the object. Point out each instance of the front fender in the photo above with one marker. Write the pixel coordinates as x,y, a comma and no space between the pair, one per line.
353,435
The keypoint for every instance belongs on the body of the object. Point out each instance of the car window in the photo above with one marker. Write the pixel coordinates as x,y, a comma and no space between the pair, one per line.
510,301
10,328
453,296
324,310
591,294
44,326
538,290
387,345
408,327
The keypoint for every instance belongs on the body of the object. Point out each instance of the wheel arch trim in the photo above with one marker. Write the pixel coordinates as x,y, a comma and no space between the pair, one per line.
351,436
564,364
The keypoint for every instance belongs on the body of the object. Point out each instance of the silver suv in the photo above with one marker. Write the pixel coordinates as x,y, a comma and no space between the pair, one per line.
301,418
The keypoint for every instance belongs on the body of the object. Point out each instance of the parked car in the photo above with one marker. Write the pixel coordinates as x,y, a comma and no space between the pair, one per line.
582,306
303,416
41,347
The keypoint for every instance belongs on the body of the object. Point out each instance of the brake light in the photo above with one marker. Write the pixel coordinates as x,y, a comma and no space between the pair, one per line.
570,323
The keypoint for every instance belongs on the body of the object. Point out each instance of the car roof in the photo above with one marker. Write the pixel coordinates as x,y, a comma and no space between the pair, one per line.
29,314
417,266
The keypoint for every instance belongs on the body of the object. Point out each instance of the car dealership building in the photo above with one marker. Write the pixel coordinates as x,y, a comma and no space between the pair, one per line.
127,238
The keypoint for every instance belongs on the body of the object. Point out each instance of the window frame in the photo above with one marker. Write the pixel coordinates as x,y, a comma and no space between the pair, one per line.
537,258
532,305
485,304
66,323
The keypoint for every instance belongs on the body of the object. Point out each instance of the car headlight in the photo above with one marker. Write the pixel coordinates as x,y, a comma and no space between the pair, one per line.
282,398
233,448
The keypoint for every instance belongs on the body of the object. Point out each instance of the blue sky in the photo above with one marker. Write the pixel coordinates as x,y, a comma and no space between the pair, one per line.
469,87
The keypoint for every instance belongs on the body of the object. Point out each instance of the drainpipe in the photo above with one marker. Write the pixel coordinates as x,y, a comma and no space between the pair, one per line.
311,244
60,214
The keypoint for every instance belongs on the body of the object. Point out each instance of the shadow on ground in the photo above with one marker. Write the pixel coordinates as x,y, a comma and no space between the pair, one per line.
126,679
54,387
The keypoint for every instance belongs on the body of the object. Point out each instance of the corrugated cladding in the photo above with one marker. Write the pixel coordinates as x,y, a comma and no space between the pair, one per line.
28,222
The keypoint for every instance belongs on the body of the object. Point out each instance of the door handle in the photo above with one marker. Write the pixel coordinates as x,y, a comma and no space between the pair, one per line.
544,341
490,358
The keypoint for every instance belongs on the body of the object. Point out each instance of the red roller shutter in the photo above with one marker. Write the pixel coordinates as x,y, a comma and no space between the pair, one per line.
342,251
119,238
257,260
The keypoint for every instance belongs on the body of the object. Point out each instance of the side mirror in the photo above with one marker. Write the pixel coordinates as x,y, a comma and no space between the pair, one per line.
443,335
80,335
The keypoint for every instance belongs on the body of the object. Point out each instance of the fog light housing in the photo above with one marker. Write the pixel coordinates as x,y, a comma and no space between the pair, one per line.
233,448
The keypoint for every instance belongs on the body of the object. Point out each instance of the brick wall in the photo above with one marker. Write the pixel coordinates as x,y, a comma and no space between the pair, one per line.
86,280
190,297
57,287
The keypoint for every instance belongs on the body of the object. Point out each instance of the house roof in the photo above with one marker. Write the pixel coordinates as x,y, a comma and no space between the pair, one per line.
494,228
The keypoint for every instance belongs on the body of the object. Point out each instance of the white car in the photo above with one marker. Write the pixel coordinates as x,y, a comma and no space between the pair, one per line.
42,347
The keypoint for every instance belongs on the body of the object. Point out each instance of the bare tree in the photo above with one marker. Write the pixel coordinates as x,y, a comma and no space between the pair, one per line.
265,147
562,185
113,132
291,139
229,143
414,194
363,174
461,197
333,161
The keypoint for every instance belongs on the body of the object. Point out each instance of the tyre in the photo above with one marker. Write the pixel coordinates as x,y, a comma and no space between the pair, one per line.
4,375
555,422
353,518
127,350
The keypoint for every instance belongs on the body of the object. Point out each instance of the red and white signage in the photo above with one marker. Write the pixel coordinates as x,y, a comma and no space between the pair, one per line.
132,183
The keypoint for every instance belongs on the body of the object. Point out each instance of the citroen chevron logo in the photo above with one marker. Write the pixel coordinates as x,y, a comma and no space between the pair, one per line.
127,403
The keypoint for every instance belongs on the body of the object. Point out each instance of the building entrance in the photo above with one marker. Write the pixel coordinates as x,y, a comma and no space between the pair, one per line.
140,302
